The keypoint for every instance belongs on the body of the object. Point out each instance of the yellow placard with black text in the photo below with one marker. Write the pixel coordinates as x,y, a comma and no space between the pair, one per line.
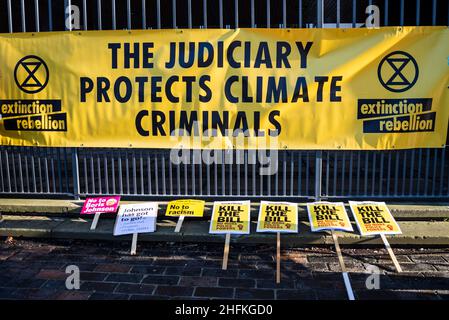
374,218
328,216
185,207
277,217
230,217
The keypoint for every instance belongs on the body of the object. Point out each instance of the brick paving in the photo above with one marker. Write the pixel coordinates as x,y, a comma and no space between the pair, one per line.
35,269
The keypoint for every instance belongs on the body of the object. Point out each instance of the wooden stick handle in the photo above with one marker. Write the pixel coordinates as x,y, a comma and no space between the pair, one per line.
134,244
226,251
338,250
179,223
95,221
348,286
341,261
278,258
391,253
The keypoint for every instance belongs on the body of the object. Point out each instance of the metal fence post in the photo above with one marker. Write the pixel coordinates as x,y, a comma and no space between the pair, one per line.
76,175
319,13
318,174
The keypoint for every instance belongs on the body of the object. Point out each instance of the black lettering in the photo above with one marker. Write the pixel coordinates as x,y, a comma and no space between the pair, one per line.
303,52
139,128
207,91
335,88
275,123
158,119
283,50
103,86
232,62
114,48
263,56
86,86
228,91
202,48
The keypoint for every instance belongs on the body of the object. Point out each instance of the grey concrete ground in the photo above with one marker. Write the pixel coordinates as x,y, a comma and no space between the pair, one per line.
35,269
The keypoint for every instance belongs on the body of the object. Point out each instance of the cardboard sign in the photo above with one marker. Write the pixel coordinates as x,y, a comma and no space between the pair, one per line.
230,217
188,208
277,217
136,218
100,205
328,216
373,218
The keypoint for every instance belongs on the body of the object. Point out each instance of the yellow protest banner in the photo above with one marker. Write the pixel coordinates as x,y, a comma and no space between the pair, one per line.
185,207
374,218
277,217
328,216
351,89
231,217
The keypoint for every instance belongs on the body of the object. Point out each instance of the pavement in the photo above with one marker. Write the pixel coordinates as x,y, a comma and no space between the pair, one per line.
36,269
39,239
422,224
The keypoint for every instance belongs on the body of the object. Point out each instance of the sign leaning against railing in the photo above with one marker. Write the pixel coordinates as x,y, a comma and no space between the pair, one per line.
245,88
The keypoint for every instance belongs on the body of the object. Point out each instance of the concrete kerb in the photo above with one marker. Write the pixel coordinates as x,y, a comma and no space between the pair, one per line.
414,232
401,211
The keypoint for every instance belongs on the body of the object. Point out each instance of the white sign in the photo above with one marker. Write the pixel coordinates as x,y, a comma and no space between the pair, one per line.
136,218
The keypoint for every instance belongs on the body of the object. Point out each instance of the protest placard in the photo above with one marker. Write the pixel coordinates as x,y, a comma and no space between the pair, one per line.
134,219
98,206
230,217
328,216
277,217
374,218
184,208
332,216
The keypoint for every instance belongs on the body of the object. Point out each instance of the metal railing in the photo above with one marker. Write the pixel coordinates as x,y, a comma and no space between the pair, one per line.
402,174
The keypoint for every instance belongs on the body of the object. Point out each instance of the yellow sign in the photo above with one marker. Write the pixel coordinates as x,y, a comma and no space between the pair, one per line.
352,89
278,217
328,216
230,217
188,208
373,218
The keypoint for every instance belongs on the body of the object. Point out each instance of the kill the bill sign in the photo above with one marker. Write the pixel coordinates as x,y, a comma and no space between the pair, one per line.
373,218
328,216
277,217
230,217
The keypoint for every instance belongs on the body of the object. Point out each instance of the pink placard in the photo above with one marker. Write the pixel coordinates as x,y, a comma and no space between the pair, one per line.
100,205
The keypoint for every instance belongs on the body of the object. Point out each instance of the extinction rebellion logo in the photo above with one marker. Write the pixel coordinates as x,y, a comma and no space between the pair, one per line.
31,75
397,72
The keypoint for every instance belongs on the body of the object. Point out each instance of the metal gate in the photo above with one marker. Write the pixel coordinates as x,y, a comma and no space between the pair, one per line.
75,172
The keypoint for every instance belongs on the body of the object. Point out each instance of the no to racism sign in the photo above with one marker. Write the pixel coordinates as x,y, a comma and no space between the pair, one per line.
277,217
374,218
188,208
231,217
328,216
